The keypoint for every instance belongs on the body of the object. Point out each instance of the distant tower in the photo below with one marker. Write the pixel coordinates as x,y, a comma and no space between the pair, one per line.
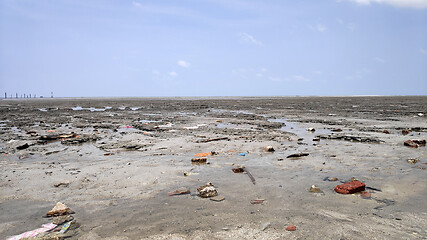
24,95
51,94
5,95
16,95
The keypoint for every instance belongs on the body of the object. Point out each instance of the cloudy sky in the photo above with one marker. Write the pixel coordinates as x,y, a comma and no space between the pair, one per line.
213,47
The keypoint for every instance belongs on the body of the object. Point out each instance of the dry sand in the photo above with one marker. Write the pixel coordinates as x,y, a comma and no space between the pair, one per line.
125,195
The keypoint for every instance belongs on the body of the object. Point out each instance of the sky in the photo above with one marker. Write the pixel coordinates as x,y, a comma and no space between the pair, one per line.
119,48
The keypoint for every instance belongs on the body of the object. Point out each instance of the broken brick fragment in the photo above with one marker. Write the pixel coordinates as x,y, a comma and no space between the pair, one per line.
350,187
291,228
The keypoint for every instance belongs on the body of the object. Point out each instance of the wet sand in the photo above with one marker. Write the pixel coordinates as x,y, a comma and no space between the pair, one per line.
152,141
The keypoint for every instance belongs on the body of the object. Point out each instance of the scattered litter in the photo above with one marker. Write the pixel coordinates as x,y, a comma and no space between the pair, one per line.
59,209
330,179
108,154
415,143
291,228
413,160
265,226
24,146
350,187
241,154
214,139
23,157
186,174
199,160
296,155
35,232
65,184
62,219
238,169
250,175
366,195
202,154
65,227
257,201
217,198
128,126
420,114
207,191
179,191
269,149
315,189
405,132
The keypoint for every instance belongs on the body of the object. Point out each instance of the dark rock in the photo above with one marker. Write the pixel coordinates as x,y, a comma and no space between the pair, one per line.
415,143
296,155
24,146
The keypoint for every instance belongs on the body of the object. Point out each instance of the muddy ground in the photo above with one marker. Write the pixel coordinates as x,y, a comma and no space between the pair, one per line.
113,161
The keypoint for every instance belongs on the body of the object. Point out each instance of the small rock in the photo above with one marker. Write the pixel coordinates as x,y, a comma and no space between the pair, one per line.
413,160
58,210
65,184
316,139
269,149
24,146
199,160
366,195
238,169
265,226
296,155
415,143
405,132
207,191
315,189
386,132
337,130
333,179
311,129
217,198
291,228
62,219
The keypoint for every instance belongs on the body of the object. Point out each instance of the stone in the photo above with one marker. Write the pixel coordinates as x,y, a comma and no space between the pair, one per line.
297,155
366,195
199,160
350,187
311,129
58,210
207,191
269,149
217,198
415,143
291,228
315,189
412,160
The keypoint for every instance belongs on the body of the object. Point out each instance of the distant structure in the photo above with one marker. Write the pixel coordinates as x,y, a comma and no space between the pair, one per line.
51,94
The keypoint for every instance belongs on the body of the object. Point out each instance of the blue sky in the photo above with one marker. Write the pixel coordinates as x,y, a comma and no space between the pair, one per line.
80,48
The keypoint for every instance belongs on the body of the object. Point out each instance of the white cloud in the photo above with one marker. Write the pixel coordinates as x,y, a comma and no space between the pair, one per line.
300,78
250,39
396,3
173,74
321,28
183,63
423,51
380,60
137,4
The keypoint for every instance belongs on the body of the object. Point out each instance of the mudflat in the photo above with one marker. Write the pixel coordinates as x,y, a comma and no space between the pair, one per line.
121,163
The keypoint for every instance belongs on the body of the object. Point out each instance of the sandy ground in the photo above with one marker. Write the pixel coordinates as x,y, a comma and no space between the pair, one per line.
152,141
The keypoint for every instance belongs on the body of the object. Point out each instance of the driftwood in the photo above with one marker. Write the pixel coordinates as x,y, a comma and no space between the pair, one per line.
214,139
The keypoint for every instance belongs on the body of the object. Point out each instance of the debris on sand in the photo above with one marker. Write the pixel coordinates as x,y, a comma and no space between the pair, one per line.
35,232
65,184
250,175
207,191
311,129
413,160
62,219
333,179
78,139
108,153
58,210
257,201
217,198
202,154
405,132
238,169
22,147
415,143
297,155
199,160
179,191
350,138
214,139
269,149
291,228
350,187
337,130
366,195
315,189
386,131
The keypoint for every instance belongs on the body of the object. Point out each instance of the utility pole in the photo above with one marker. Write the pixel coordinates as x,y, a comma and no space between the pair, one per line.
5,95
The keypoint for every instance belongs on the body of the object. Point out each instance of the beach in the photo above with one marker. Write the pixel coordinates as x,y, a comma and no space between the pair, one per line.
113,161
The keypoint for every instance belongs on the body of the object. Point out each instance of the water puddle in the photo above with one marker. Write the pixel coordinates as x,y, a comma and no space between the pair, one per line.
92,109
293,127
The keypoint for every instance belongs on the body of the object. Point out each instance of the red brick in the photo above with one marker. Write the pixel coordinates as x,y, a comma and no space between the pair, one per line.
291,228
350,187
